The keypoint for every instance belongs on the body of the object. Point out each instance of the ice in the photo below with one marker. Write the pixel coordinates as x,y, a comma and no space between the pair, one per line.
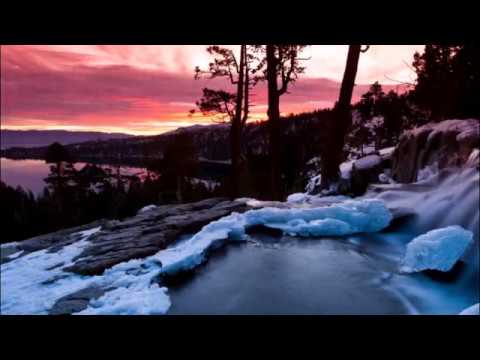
348,217
472,310
338,219
438,249
146,208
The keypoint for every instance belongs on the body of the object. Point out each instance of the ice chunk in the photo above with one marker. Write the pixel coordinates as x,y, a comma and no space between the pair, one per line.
146,208
438,249
472,310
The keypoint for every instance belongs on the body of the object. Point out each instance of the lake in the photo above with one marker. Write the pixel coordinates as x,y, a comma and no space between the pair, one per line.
29,174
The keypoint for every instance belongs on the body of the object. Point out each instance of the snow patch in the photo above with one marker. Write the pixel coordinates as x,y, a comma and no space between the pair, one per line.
472,310
438,249
367,162
386,152
15,255
346,169
147,208
32,283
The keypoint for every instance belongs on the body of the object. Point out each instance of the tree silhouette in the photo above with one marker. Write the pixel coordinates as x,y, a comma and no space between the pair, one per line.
179,163
62,170
232,106
341,121
448,81
283,63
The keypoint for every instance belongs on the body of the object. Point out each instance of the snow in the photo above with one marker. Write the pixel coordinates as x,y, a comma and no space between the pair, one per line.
346,169
385,152
474,158
297,198
367,162
137,299
313,183
385,178
25,281
438,249
16,255
463,128
146,208
208,184
9,245
472,310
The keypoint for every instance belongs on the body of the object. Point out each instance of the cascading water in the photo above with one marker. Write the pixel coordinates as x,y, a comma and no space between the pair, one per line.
448,197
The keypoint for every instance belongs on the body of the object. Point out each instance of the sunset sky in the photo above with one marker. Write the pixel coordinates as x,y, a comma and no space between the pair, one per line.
149,89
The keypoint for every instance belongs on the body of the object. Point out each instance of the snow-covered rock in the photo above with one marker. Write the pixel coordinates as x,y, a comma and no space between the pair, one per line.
438,249
367,162
472,310
449,143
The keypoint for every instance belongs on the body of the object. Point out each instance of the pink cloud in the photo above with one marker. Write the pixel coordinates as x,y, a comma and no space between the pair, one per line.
107,87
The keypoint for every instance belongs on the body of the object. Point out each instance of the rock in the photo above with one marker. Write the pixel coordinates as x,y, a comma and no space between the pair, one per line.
148,232
449,143
57,240
365,171
76,301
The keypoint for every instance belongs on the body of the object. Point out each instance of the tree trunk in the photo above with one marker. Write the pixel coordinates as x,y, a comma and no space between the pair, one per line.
340,122
235,129
273,121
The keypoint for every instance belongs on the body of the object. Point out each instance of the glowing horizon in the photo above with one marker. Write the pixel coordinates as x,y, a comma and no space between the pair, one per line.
149,89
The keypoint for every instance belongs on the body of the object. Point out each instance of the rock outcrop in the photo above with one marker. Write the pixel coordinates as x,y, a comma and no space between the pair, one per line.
448,143
148,232
136,237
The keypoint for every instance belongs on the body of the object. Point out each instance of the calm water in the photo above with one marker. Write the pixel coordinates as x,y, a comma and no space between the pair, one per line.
29,174
342,276
288,276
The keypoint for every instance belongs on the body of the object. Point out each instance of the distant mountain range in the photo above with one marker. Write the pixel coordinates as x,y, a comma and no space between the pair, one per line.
211,142
39,138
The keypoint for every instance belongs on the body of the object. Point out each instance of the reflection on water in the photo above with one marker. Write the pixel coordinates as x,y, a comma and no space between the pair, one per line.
29,174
